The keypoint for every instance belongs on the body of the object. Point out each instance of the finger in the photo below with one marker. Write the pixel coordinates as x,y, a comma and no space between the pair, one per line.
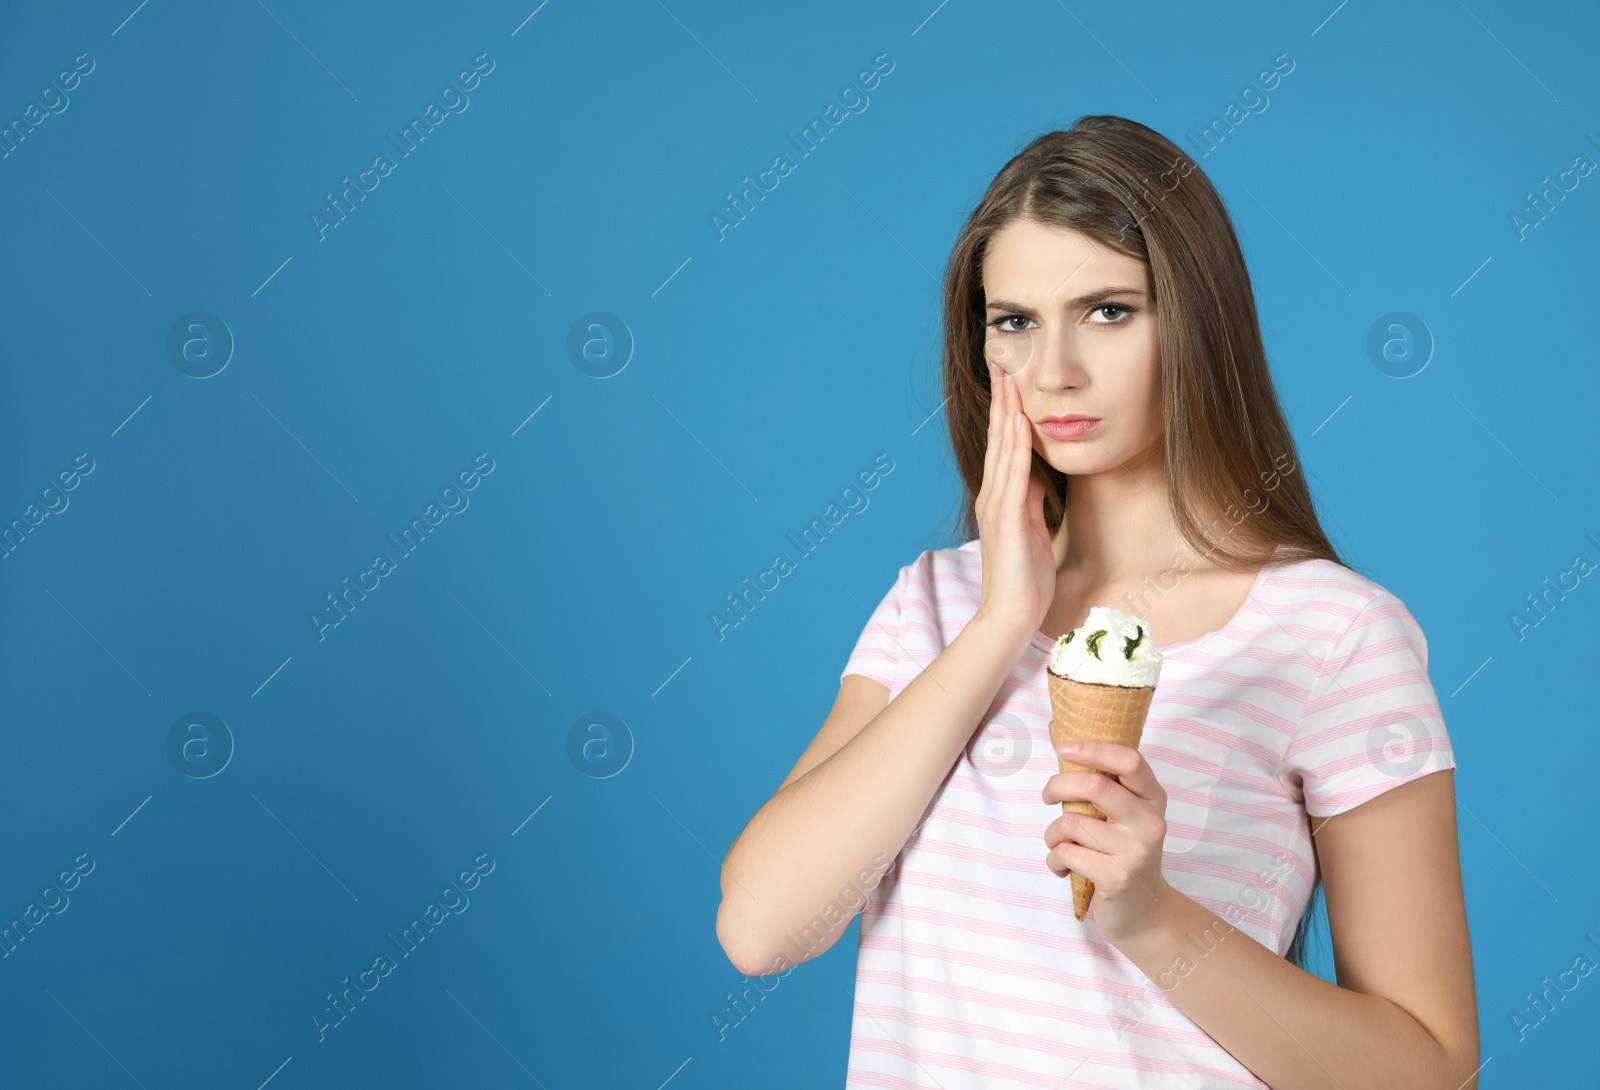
1103,836
1124,762
1019,452
1038,525
1036,497
1093,832
992,442
1006,427
1022,447
1067,857
1113,800
1104,868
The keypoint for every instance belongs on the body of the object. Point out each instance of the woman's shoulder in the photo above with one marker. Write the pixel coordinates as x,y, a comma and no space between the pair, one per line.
1314,576
1330,595
954,571
962,561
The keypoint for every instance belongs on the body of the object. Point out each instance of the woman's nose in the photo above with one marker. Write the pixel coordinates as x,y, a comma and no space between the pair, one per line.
1051,360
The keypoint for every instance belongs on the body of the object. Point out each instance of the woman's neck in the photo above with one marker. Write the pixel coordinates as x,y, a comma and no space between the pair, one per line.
1119,527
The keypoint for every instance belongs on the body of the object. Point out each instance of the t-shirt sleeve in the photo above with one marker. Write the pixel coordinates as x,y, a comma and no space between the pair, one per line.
877,651
1372,721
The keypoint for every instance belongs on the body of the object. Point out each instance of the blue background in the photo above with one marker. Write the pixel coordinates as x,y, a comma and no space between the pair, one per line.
446,718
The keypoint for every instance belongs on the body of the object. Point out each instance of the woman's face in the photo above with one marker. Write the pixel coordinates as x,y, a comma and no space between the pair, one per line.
1071,322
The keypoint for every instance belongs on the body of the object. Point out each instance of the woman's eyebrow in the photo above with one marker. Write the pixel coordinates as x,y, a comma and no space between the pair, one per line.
1099,295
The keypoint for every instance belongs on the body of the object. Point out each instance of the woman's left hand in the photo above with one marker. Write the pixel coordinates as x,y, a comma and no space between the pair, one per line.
1120,855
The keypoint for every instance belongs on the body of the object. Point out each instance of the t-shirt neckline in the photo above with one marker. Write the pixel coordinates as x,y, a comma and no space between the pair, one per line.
1048,643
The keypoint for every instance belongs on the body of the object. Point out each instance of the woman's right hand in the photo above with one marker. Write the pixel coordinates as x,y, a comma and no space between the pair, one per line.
1019,566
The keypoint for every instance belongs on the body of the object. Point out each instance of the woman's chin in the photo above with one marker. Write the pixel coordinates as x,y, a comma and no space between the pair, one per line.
1078,462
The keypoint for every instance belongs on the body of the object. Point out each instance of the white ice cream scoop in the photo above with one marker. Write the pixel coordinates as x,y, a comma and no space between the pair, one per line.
1110,648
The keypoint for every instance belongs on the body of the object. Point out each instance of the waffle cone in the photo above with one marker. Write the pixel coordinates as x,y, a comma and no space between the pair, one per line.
1087,712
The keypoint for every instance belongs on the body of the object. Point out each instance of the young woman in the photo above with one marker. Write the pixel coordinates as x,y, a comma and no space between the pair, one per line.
1115,425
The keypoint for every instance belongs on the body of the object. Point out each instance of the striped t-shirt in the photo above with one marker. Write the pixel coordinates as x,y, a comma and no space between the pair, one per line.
972,970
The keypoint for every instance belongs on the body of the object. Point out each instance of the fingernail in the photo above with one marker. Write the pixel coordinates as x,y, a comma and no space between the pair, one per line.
1067,749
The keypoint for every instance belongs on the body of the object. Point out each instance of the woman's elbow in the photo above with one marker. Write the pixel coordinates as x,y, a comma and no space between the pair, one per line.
1454,1063
1464,1066
748,957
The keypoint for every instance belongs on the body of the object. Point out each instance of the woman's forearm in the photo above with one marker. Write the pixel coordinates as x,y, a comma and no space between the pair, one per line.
852,813
1291,1028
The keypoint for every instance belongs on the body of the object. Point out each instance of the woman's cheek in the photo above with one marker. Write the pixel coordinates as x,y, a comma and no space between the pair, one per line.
1150,379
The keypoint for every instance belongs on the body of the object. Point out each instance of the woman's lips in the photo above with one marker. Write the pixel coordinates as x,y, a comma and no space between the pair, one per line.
1071,428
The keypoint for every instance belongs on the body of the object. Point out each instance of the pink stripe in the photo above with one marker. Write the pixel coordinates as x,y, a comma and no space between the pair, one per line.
1241,877
995,861
1236,707
865,656
963,783
1257,847
1284,821
1180,757
961,780
871,938
1344,692
1098,1019
1200,732
1062,906
1294,606
859,1077
1357,727
1285,659
1339,801
886,680
1330,770
1313,579
931,1059
983,819
970,1031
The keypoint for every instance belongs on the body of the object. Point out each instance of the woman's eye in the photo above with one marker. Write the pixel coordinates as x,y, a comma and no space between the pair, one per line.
1112,306
999,323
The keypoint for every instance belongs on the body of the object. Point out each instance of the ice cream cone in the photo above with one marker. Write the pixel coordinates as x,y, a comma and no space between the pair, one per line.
1091,712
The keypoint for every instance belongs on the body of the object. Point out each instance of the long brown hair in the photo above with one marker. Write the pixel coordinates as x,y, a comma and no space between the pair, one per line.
1226,442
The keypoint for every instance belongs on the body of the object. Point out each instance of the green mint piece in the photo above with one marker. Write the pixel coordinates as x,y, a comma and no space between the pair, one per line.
1068,637
1093,642
1127,652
